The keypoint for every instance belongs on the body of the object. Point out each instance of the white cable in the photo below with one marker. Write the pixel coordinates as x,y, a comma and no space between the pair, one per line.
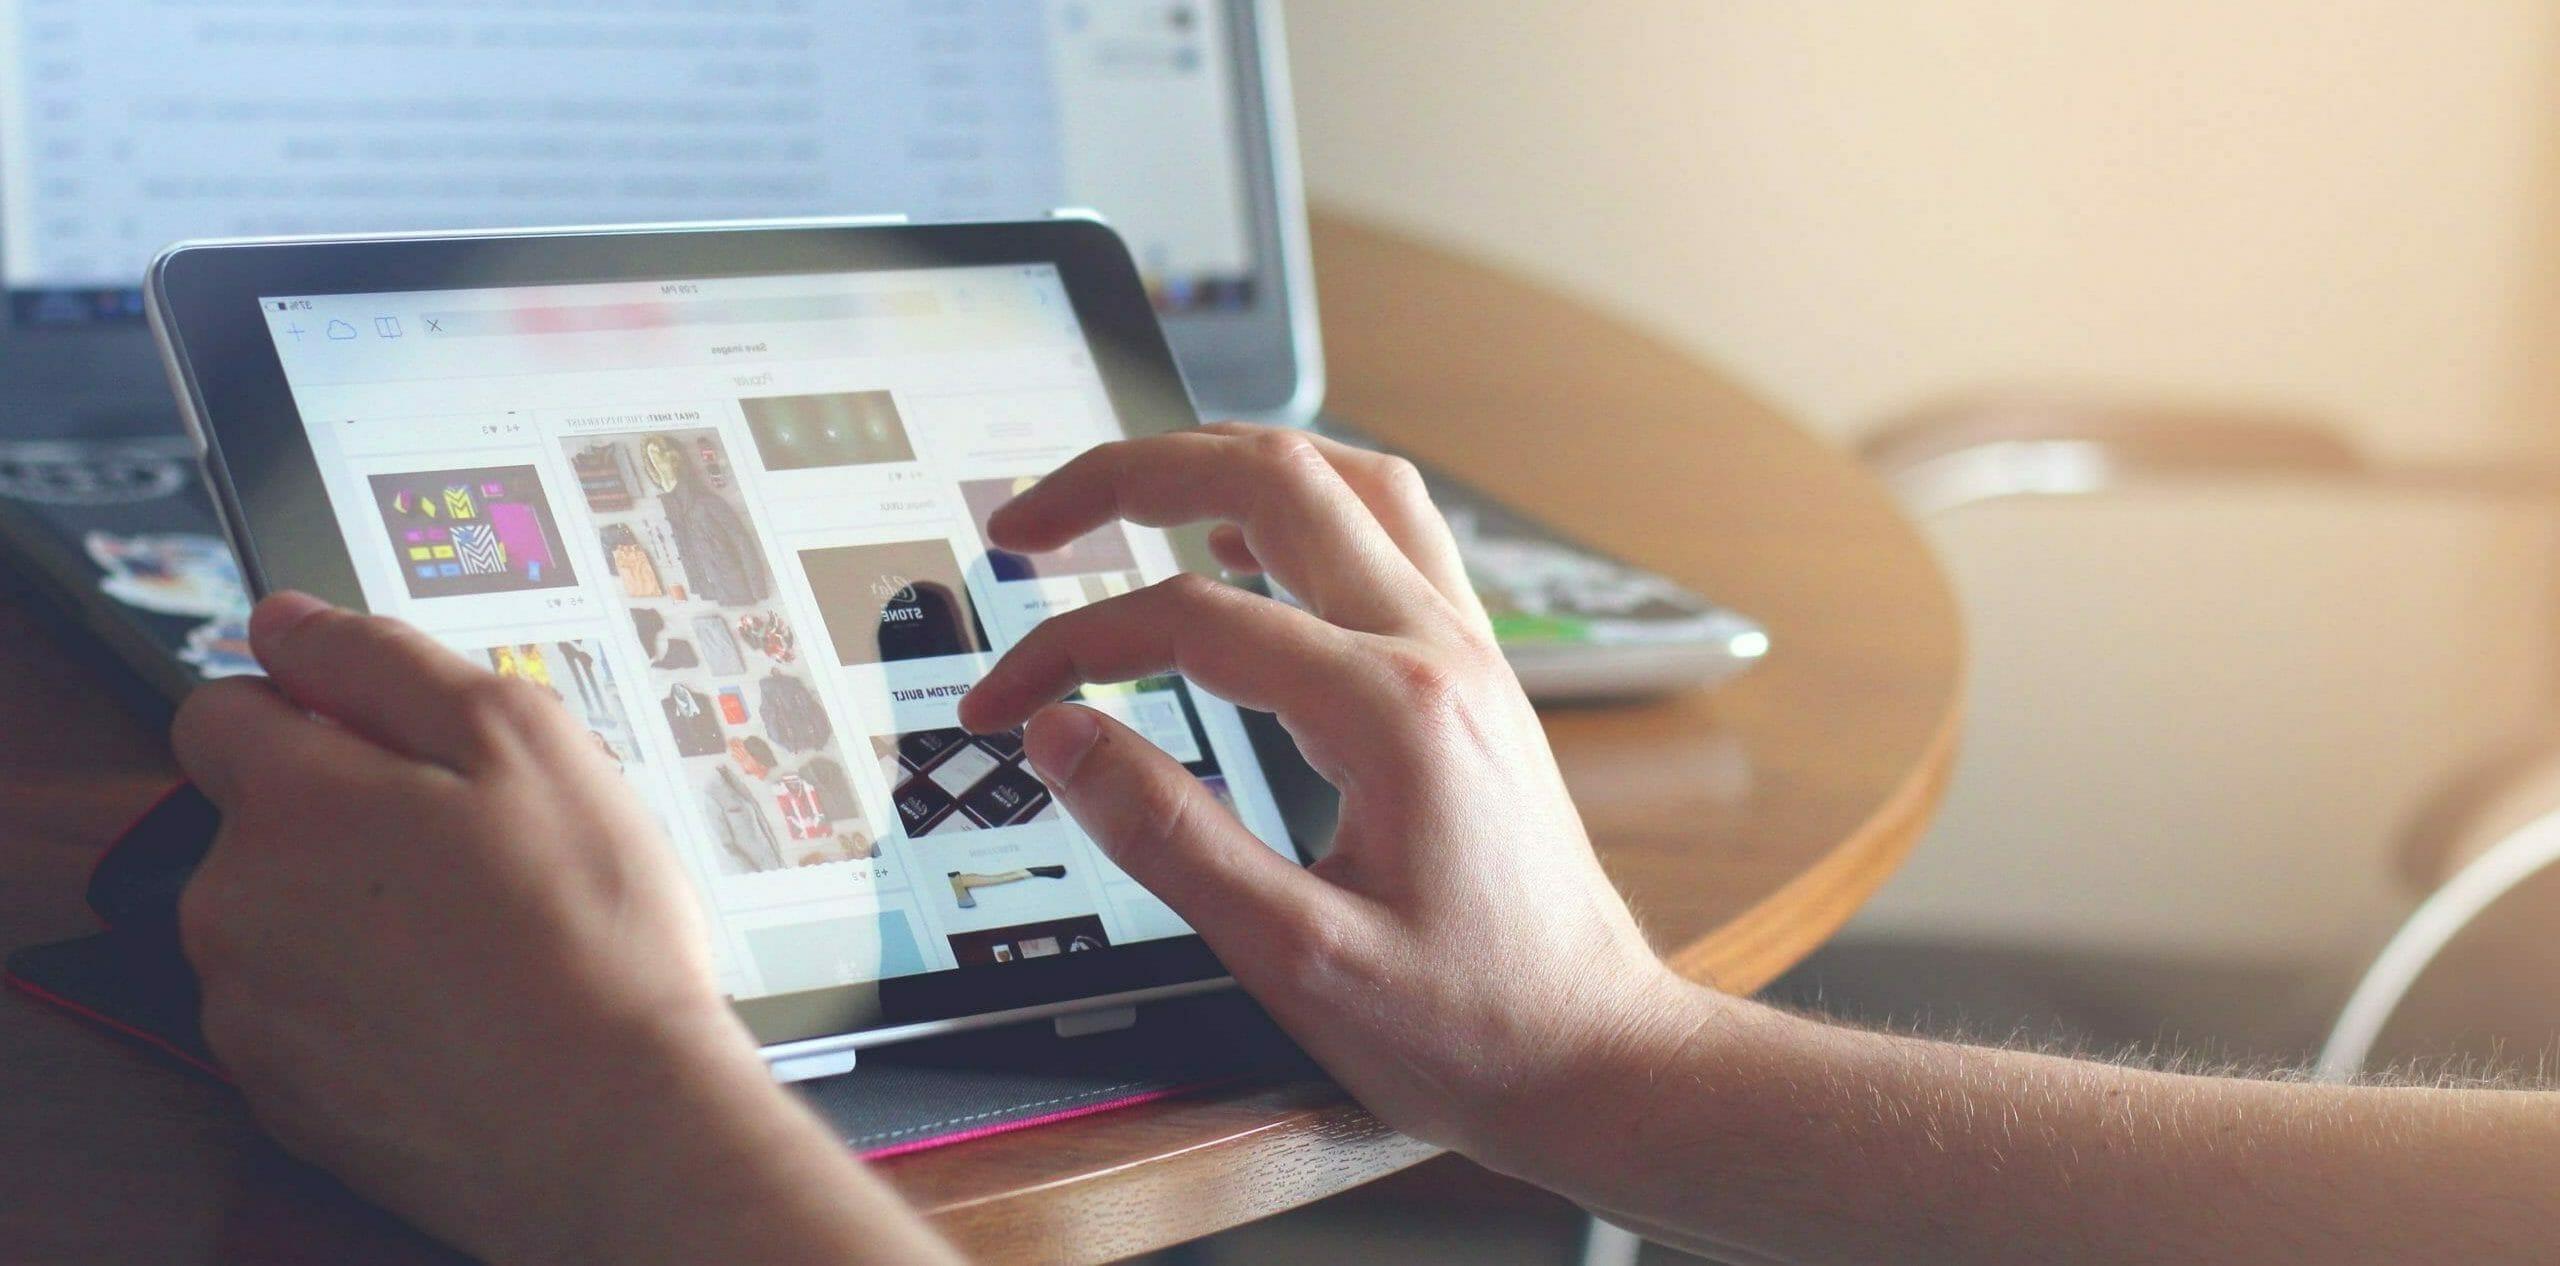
2437,921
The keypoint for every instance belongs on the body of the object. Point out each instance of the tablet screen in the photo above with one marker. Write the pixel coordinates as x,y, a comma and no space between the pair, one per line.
735,525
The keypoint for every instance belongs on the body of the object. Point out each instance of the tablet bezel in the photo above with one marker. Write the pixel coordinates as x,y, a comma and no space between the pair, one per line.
203,300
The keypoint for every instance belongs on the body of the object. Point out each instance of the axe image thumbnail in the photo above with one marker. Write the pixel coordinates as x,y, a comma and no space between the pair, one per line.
965,885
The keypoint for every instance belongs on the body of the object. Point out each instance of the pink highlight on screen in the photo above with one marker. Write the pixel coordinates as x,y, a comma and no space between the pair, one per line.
520,531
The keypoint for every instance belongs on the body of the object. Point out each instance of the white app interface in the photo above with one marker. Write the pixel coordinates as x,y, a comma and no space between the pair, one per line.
736,527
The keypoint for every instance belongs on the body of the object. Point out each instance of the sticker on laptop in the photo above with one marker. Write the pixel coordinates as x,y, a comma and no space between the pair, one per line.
220,648
170,573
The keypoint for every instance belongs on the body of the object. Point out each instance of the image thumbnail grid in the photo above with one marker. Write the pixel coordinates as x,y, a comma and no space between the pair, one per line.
760,754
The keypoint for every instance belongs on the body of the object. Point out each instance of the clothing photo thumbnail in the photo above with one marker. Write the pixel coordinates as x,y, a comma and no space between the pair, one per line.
579,675
888,603
849,428
773,791
477,531
944,781
758,749
1104,549
1045,939
671,520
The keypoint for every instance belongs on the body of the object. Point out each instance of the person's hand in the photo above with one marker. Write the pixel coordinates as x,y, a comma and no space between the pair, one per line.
1459,959
447,955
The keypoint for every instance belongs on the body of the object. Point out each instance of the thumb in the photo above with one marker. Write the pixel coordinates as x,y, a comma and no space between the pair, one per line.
1155,820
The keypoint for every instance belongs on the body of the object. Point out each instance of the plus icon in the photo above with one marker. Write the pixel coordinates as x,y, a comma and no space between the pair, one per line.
295,330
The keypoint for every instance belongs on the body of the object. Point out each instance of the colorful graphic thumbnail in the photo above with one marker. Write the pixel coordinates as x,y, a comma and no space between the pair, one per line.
477,531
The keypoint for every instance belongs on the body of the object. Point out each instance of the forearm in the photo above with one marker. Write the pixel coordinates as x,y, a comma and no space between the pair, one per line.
722,1167
784,1191
1757,1136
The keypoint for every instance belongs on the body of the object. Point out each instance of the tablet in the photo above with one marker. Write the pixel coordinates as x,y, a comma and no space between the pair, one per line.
722,490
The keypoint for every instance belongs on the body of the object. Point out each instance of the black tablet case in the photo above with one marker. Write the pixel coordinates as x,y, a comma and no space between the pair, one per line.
904,1098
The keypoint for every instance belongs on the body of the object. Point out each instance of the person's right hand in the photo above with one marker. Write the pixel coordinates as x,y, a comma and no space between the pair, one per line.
1458,961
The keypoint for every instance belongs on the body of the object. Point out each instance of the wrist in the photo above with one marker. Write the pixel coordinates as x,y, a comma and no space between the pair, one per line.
1666,1039
684,1131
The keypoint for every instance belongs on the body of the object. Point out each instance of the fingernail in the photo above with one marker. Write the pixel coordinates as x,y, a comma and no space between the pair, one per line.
281,613
1057,741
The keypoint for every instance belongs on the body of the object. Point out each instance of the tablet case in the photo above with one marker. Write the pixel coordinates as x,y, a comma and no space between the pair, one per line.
905,1098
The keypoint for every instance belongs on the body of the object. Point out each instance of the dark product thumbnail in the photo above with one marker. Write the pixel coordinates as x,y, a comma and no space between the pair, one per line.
887,603
1045,939
853,428
478,531
949,780
1104,549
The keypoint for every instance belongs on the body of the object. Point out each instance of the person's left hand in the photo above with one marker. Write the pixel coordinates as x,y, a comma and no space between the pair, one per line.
447,955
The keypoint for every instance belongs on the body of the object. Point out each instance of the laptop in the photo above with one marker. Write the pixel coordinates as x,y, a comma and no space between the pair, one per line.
125,125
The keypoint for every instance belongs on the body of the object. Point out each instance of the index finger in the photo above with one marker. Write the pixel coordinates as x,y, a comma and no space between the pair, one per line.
1395,491
1306,526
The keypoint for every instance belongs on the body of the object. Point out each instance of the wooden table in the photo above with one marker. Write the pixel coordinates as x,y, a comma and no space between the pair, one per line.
1745,825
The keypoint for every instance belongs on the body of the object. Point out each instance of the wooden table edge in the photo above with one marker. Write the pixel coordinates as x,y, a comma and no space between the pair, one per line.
1783,928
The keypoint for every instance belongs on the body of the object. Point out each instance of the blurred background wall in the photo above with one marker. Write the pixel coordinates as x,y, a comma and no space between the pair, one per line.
2351,206
2199,719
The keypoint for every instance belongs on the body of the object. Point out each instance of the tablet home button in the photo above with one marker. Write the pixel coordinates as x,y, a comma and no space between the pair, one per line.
812,1067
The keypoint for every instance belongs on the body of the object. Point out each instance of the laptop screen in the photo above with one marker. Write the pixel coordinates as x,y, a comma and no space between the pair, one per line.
129,124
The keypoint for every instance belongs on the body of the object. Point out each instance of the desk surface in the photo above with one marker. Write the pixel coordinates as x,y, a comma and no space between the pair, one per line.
1745,825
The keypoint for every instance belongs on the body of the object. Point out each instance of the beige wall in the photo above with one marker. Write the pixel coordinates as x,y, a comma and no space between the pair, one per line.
2197,722
2349,206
